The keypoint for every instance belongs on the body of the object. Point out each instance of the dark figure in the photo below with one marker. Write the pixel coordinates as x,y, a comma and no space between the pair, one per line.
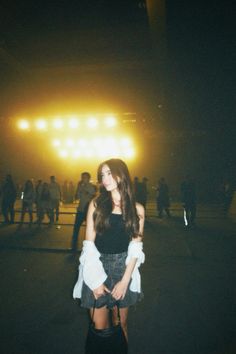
163,200
55,198
143,192
227,196
85,192
71,192
188,196
65,192
137,190
28,199
9,195
38,191
45,204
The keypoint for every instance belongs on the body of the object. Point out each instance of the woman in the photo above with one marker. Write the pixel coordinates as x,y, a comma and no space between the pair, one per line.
112,250
44,204
28,198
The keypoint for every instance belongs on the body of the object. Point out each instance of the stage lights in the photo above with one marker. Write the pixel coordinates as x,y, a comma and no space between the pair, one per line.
41,124
110,121
73,122
68,123
101,147
92,122
56,142
70,142
23,124
63,153
89,137
58,123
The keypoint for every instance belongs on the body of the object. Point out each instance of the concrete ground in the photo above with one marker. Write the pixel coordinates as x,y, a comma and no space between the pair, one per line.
188,281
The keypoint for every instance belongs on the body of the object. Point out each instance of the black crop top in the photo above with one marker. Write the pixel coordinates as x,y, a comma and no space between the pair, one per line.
115,239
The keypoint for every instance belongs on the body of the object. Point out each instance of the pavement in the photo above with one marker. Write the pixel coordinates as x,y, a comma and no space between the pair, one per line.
188,280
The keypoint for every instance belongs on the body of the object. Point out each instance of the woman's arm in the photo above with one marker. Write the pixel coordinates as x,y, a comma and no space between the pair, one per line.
120,288
141,214
90,235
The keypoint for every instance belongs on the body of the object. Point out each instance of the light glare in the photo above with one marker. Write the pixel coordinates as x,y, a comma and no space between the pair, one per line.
125,142
63,153
110,122
23,124
70,142
73,123
58,123
56,142
92,122
41,124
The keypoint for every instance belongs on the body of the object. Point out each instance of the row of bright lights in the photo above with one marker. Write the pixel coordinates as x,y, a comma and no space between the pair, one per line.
99,147
72,122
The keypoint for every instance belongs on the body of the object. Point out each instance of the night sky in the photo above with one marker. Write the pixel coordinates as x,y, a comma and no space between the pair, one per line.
196,85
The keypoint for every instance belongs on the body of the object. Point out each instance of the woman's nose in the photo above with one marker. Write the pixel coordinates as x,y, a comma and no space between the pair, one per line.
104,179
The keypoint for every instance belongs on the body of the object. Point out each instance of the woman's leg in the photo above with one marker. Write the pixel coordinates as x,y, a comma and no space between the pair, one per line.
100,317
22,214
123,318
30,218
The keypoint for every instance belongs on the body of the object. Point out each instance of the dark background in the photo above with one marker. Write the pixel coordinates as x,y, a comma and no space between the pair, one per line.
58,55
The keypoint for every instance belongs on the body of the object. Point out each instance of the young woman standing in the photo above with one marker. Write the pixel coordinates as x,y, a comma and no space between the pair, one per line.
112,251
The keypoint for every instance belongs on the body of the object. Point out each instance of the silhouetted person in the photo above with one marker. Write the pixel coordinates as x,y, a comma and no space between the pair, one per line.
38,191
28,198
137,190
55,198
9,195
188,196
65,192
85,192
163,200
143,192
227,195
71,192
45,204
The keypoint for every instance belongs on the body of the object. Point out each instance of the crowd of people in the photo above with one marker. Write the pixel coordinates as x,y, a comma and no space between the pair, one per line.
187,192
45,197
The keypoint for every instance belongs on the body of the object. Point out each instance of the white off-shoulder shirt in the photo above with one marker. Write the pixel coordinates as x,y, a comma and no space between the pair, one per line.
91,270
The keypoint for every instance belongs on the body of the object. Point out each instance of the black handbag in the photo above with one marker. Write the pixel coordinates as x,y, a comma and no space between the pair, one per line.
110,340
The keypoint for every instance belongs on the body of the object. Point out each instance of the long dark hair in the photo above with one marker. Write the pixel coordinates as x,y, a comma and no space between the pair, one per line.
104,204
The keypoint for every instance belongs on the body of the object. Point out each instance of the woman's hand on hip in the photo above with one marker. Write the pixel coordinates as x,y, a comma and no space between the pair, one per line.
100,291
119,290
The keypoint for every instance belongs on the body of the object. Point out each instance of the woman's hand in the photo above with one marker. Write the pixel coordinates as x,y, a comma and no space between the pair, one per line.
100,291
119,290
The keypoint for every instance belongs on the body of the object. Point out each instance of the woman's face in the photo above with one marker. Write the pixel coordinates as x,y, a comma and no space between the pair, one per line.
107,179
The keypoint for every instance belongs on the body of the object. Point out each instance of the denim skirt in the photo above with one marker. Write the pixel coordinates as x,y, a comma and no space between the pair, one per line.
114,266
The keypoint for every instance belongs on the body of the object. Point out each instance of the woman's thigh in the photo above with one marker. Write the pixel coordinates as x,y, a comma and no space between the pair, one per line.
123,315
100,317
